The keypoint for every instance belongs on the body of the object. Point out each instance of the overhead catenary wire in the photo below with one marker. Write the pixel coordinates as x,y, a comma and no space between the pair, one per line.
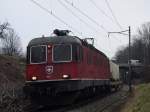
62,21
103,12
84,14
96,23
56,17
113,14
75,15
100,10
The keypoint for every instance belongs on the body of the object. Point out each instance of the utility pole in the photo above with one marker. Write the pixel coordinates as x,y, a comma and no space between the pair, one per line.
129,52
130,88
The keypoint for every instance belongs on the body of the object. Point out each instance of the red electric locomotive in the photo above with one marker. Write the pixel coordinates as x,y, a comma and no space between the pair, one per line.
64,64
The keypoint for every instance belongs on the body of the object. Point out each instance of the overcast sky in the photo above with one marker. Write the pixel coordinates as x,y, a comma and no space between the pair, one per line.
30,21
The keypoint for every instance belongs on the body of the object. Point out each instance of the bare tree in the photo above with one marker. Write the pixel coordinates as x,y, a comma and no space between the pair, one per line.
10,40
144,35
11,44
122,55
140,48
3,28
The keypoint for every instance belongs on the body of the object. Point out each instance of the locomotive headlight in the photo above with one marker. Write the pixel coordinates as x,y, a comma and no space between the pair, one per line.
34,78
49,46
65,76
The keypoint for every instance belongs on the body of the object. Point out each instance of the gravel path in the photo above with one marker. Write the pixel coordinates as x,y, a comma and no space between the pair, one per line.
106,104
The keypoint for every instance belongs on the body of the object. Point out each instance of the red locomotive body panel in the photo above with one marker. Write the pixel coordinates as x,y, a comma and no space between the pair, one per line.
58,71
95,68
85,66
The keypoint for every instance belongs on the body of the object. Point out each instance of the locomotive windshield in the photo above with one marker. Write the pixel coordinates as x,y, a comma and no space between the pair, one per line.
38,54
62,53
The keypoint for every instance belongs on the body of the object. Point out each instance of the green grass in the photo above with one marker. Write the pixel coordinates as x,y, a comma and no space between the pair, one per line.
141,102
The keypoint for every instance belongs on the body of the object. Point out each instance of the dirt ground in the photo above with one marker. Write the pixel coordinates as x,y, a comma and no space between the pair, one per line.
138,100
124,105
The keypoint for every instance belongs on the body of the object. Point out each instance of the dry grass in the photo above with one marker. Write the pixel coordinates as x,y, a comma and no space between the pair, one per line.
139,101
11,83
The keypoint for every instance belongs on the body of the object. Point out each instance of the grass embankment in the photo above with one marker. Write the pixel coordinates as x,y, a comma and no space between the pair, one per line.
140,100
11,83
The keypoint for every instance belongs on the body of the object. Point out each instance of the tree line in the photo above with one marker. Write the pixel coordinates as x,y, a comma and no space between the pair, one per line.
10,41
140,47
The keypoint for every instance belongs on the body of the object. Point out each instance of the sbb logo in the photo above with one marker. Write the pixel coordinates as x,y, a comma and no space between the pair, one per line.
49,69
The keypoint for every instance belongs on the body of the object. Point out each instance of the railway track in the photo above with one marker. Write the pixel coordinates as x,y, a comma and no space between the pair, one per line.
105,104
102,103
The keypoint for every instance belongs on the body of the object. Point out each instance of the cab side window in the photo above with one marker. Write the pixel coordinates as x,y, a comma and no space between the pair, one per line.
77,53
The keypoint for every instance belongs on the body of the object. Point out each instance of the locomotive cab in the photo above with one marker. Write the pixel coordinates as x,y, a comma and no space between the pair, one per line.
54,58
52,65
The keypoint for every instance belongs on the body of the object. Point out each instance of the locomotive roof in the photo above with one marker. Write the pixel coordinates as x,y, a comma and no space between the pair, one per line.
55,40
62,40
